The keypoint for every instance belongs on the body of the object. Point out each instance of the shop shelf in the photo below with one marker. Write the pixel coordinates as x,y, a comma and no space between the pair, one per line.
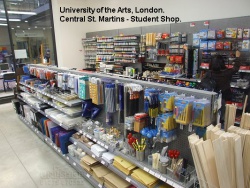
234,86
68,103
246,71
46,115
75,163
167,178
105,163
32,127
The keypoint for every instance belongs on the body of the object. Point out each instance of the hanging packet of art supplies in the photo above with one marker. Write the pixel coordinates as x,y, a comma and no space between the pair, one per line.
76,84
59,80
132,97
183,110
83,87
120,102
201,112
168,121
151,96
95,90
71,79
167,101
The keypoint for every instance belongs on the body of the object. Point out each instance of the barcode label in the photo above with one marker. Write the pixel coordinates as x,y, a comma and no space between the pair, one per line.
93,156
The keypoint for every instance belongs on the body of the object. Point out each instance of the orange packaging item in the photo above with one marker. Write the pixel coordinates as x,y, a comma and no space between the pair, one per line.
172,58
179,59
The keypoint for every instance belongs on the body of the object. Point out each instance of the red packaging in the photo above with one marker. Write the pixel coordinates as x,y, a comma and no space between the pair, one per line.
219,46
220,34
179,59
244,67
172,58
227,45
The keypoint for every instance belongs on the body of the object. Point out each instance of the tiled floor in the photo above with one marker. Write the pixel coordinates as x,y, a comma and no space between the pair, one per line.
27,162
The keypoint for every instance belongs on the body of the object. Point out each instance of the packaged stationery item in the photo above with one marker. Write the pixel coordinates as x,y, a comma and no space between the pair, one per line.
201,113
83,87
231,33
183,110
167,101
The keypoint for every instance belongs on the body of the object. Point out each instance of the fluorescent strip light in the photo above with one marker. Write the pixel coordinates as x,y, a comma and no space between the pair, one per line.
3,24
11,20
19,12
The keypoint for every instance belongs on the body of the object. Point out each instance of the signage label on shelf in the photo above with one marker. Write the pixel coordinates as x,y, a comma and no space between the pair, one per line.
98,142
145,169
181,126
99,185
157,175
93,156
163,179
75,143
190,127
67,158
94,140
102,144
152,172
80,131
88,175
128,179
170,182
107,147
74,163
103,162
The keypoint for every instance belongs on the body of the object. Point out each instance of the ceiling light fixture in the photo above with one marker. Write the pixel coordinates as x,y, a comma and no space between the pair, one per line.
26,21
2,24
11,20
28,28
35,26
19,12
12,28
18,26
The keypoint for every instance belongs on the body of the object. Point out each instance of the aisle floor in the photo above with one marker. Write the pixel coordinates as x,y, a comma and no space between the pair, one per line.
26,161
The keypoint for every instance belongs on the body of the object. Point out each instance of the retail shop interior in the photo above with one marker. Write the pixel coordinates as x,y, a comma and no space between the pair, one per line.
136,115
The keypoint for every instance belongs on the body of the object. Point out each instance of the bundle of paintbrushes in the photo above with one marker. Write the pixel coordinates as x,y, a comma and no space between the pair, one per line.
167,101
201,112
183,110
96,90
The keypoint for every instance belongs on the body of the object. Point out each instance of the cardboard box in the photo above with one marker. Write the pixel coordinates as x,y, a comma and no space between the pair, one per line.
112,180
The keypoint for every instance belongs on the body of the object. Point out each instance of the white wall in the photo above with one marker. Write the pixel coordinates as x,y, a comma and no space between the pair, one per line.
68,35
